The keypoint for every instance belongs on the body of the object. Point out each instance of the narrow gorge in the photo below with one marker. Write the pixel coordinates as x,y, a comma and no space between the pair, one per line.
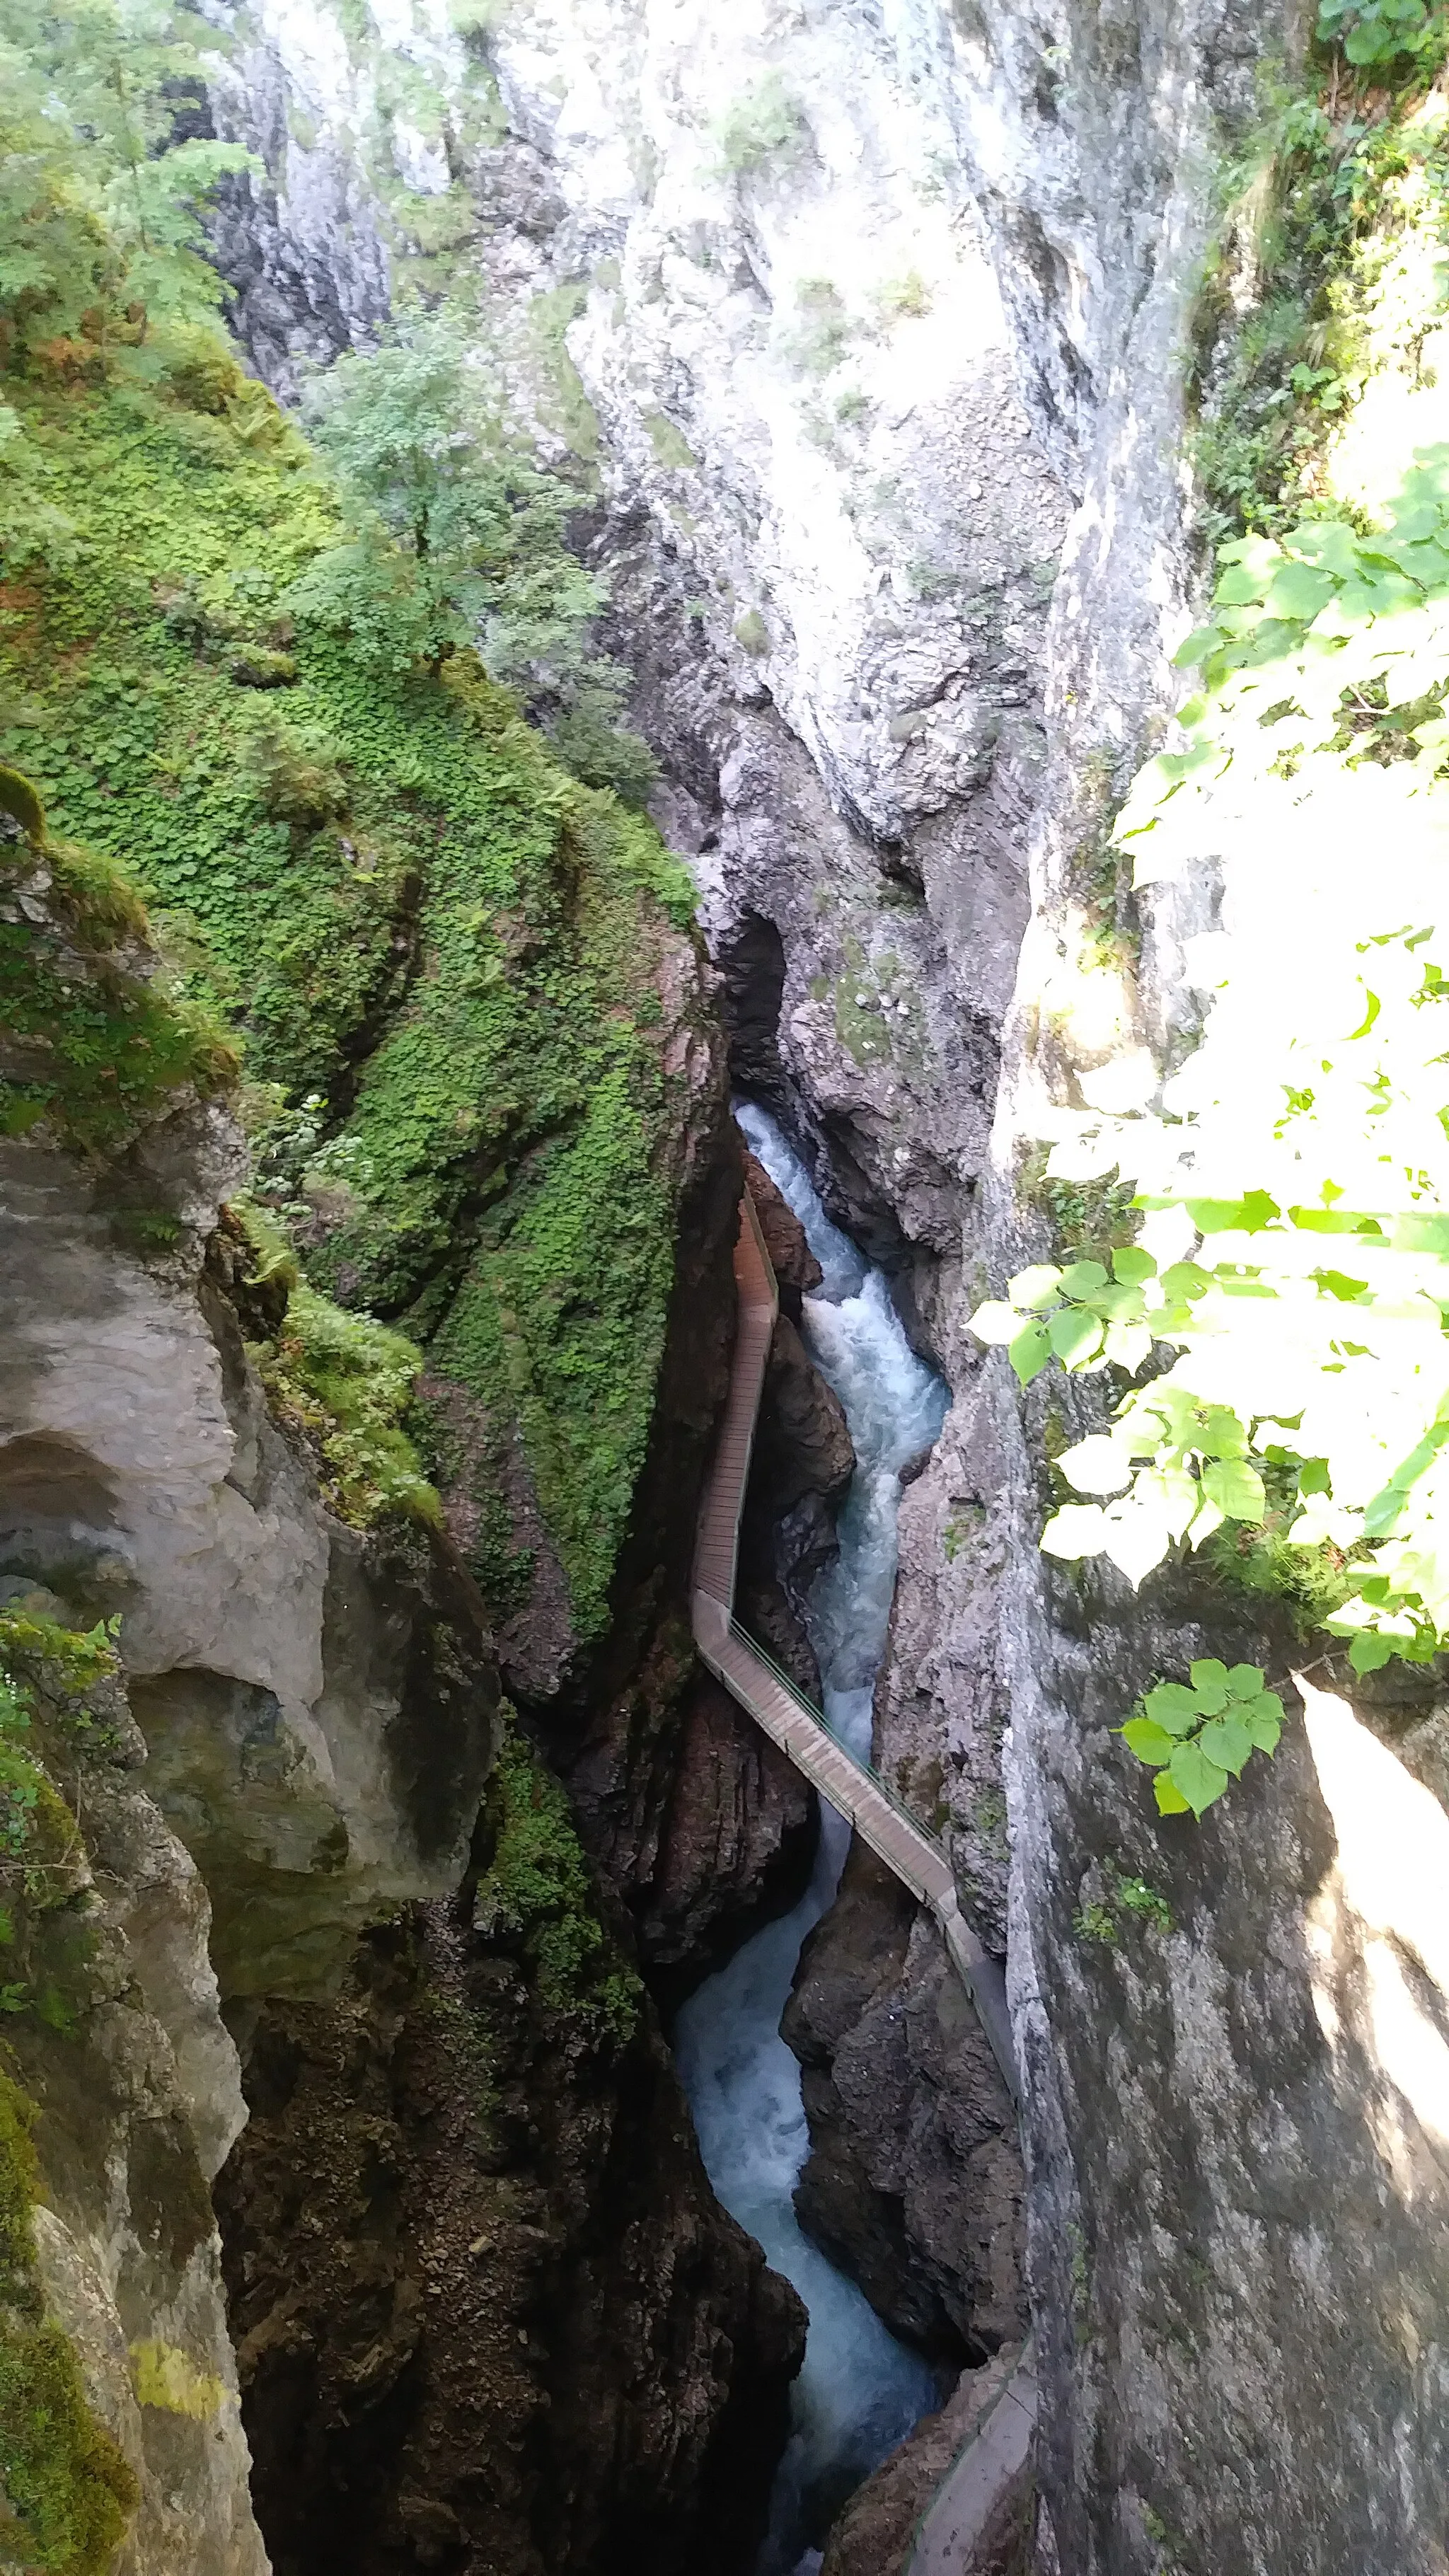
619,619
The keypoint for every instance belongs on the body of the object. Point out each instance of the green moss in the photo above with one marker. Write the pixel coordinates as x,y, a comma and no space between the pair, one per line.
66,2484
345,1383
752,634
164,2376
669,443
564,398
536,1891
90,1046
400,902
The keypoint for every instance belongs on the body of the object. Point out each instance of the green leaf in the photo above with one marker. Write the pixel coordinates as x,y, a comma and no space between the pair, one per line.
1263,1718
1083,1279
1197,647
1173,1706
1151,1744
1030,1352
1245,1681
1132,1264
1300,590
1210,1684
1239,588
1247,1215
1074,1336
1200,1780
1127,1346
1097,1465
1184,1279
995,1322
1227,1741
1034,1287
1170,1800
1368,1651
1236,1488
1078,1529
1336,1283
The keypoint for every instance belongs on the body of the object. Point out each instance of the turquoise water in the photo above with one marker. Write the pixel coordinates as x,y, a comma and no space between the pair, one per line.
860,2390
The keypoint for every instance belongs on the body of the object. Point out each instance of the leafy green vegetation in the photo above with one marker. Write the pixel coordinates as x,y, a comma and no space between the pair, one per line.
65,2482
1320,205
1289,1284
1137,1898
453,538
90,1045
1195,1735
344,1384
764,125
536,1890
244,692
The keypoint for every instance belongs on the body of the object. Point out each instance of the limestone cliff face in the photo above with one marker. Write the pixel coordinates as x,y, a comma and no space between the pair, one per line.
318,1704
828,493
442,2045
115,2038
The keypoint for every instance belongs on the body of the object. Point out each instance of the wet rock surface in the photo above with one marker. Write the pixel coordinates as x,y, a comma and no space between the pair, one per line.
913,2182
489,2316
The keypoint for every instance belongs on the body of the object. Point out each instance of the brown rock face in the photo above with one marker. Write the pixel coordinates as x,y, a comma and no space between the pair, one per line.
913,2182
705,1829
489,2317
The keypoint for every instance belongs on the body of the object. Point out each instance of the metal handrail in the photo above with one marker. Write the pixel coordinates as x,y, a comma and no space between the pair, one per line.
819,1718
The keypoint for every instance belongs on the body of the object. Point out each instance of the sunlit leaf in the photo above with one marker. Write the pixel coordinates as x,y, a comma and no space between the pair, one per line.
995,1322
1078,1529
1236,1488
1132,1264
1074,1335
1034,1287
1135,1540
1127,1346
1210,1683
1150,1743
1083,1279
1227,1741
1096,1465
1173,1706
1170,1800
1200,1780
1030,1352
1368,1651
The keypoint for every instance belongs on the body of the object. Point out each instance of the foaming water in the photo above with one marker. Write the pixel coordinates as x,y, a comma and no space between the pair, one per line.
860,2391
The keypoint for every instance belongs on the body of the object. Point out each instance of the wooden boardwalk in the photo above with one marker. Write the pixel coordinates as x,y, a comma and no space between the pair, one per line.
964,2514
919,1860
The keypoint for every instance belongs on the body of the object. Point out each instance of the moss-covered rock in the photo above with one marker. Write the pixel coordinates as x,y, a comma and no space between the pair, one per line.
403,906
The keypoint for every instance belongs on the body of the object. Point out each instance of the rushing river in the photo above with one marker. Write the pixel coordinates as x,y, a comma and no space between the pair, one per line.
860,2390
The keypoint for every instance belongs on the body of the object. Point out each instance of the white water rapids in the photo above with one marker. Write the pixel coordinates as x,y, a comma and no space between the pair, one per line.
859,2391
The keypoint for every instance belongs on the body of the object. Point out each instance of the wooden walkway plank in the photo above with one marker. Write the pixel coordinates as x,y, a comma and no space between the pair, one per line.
916,1856
967,2505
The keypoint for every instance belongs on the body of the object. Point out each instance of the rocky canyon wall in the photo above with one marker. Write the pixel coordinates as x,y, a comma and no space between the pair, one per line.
881,321
863,333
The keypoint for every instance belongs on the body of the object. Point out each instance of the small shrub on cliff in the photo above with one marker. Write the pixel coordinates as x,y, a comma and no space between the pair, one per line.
764,125
536,1891
87,1043
345,1384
